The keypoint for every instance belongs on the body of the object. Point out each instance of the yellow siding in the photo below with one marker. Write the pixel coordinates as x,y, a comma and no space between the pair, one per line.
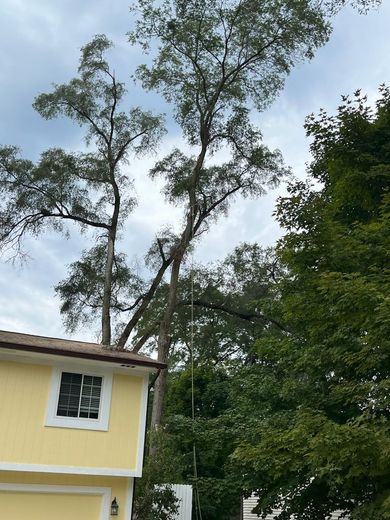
42,506
24,438
48,506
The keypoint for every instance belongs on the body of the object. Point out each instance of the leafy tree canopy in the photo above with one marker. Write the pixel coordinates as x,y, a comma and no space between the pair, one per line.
89,188
320,394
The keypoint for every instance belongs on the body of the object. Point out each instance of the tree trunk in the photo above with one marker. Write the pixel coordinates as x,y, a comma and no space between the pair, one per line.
107,291
106,316
164,339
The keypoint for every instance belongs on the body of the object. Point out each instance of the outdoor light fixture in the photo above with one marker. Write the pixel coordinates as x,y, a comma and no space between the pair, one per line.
114,507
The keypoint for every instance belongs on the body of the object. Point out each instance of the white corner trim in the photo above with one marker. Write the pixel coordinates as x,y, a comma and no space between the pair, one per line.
101,424
129,500
69,470
142,426
104,492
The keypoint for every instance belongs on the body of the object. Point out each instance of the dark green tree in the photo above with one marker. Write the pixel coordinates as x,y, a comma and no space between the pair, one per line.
319,395
236,302
229,302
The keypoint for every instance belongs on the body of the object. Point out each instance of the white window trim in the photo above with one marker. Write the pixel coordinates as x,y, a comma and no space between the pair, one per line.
103,492
81,423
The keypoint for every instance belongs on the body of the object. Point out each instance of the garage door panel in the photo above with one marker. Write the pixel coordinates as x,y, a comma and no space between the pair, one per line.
49,506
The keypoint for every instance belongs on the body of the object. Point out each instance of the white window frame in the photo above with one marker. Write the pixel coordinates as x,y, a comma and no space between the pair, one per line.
81,423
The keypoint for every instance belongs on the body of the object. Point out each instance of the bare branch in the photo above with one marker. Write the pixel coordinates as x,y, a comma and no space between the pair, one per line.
131,307
161,249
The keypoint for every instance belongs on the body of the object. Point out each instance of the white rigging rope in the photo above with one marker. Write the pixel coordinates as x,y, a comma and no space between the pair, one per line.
198,511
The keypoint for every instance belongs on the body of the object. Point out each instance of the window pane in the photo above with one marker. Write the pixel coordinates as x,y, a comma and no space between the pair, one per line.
88,380
70,388
90,397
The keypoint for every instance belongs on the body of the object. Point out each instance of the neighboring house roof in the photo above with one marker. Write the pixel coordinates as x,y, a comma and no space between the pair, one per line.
75,349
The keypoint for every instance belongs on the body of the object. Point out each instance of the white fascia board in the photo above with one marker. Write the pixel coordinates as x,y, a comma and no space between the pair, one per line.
68,470
129,499
23,356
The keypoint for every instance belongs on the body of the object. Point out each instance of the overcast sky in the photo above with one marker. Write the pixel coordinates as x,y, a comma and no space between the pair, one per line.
40,44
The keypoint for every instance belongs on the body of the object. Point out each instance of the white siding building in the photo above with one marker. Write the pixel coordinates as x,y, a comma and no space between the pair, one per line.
183,493
249,503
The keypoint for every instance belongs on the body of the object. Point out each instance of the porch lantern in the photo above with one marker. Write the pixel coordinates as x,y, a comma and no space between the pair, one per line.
114,507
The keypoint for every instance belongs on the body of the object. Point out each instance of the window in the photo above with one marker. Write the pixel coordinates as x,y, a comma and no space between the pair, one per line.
79,396
79,400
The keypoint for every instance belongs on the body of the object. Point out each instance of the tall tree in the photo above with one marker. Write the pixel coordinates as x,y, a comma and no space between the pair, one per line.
214,58
88,188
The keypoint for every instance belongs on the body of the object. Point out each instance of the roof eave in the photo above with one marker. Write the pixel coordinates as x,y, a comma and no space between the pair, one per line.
84,355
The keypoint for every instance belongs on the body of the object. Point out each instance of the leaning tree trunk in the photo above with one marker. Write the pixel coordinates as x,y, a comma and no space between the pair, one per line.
164,342
164,339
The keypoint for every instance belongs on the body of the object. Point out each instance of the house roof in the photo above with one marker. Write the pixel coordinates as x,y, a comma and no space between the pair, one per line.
75,349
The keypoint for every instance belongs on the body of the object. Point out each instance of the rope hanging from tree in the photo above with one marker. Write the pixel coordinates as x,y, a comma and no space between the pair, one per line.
198,510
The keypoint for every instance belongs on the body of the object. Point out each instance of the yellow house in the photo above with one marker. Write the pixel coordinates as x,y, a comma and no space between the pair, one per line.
72,428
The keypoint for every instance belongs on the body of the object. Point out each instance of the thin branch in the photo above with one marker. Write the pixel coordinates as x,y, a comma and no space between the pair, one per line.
126,144
154,379
243,314
69,216
113,107
131,307
207,212
98,130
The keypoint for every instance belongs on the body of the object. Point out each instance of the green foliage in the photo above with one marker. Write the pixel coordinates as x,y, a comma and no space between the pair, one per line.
248,173
225,52
209,438
300,415
210,392
319,396
58,188
234,301
91,100
78,187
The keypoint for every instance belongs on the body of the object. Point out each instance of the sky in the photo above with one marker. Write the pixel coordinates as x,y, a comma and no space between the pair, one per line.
39,46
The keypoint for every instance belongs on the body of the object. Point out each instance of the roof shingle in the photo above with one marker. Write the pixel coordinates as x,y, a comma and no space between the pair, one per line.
71,348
